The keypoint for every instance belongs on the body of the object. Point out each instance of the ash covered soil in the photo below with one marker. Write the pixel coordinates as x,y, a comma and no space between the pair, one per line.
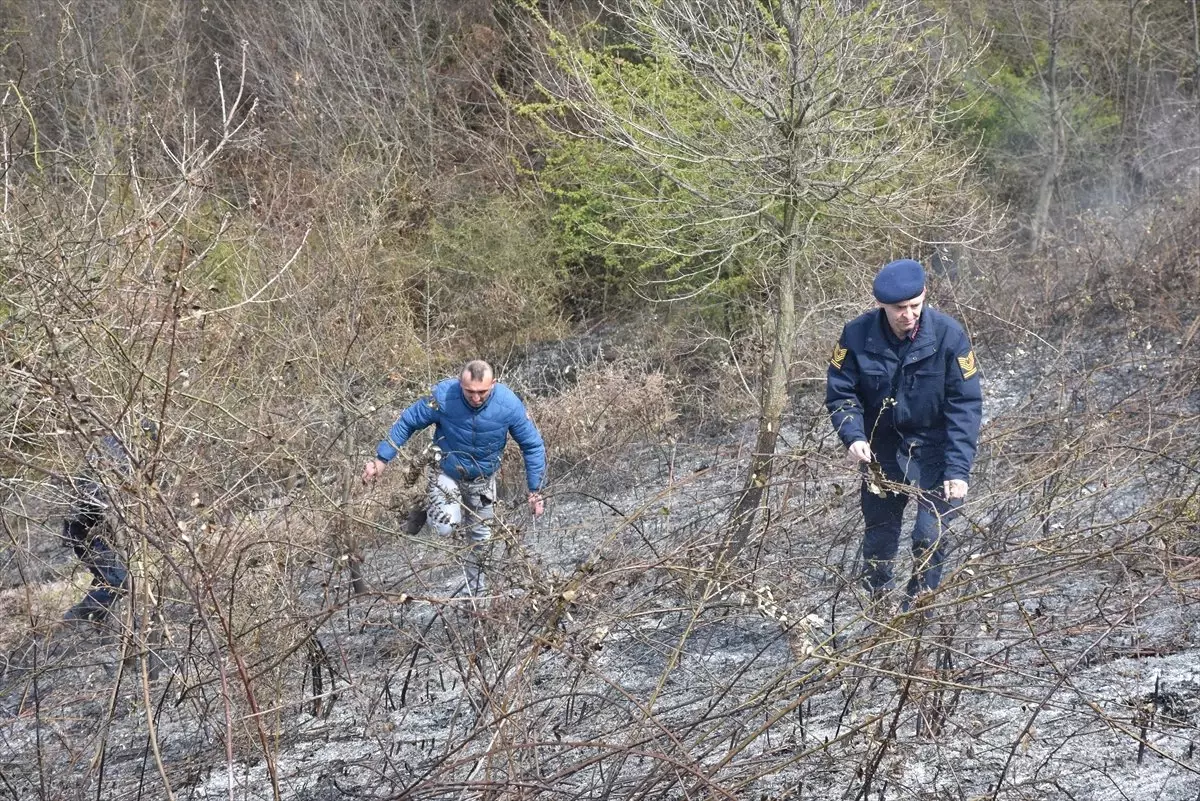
610,660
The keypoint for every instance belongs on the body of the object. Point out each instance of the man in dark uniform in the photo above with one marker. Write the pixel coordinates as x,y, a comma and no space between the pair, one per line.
88,529
903,394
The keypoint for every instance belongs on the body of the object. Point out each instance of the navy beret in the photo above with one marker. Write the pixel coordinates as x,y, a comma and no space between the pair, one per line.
899,281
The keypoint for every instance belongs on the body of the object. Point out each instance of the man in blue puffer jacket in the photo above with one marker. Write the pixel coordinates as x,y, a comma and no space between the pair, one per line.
473,416
903,393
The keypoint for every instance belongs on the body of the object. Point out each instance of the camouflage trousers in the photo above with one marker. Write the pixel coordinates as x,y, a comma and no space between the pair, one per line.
465,505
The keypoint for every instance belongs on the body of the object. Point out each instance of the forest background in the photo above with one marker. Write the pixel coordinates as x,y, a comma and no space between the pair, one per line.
269,227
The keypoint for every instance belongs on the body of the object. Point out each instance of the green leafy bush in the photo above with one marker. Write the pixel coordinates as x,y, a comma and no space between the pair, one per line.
489,280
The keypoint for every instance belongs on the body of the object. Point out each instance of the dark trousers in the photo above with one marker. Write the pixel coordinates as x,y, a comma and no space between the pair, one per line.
882,522
86,532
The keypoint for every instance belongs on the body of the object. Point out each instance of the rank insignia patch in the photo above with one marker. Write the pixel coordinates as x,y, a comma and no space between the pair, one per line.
967,365
839,356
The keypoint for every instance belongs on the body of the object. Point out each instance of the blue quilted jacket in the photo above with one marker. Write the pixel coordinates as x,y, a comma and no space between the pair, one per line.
471,440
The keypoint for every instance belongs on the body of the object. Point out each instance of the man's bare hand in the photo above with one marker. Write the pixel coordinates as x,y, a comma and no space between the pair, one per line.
537,504
373,470
860,452
955,489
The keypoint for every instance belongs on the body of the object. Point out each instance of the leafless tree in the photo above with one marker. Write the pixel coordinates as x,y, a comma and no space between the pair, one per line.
820,124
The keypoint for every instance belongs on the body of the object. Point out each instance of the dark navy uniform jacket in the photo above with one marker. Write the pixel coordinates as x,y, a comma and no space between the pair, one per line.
930,406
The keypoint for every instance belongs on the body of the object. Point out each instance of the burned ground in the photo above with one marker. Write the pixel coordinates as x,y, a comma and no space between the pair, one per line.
612,662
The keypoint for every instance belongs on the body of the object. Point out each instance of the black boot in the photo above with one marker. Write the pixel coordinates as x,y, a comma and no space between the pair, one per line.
414,522
89,609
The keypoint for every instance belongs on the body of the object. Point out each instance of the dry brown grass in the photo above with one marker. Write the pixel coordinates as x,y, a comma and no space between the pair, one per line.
607,409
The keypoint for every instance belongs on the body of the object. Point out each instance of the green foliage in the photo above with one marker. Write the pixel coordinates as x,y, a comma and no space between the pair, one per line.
221,267
612,210
704,153
488,273
1007,111
1125,75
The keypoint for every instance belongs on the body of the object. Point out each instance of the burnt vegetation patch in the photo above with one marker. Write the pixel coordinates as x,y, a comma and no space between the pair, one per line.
269,253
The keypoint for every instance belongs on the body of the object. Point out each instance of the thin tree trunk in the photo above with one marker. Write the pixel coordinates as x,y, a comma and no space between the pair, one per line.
774,400
774,391
1057,156
1120,191
344,539
775,371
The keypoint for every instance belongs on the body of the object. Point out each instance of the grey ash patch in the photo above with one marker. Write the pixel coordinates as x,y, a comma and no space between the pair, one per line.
1059,661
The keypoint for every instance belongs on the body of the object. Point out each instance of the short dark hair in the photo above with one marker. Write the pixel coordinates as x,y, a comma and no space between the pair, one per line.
477,370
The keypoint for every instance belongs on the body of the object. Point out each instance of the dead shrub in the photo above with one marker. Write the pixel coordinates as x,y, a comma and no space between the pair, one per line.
607,409
1133,268
37,603
242,588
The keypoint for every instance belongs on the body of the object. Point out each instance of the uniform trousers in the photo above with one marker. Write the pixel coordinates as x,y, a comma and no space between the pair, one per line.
919,477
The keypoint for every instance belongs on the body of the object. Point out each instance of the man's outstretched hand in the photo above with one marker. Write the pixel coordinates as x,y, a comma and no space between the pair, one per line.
373,470
537,504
